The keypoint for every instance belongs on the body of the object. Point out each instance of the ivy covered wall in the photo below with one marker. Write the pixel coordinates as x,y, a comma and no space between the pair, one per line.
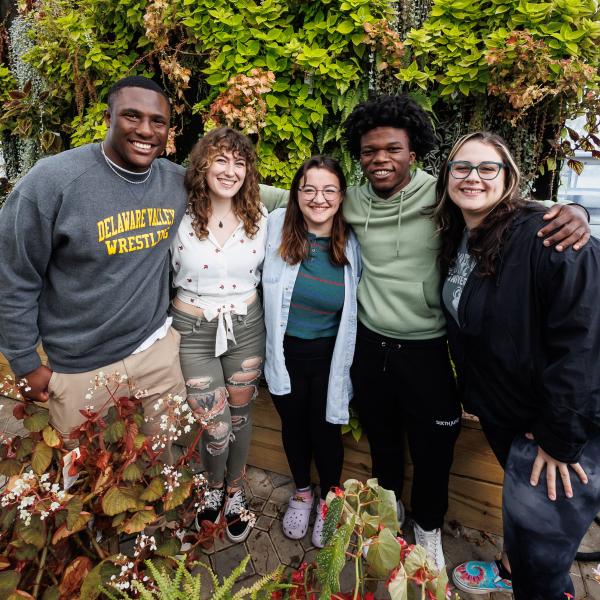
289,72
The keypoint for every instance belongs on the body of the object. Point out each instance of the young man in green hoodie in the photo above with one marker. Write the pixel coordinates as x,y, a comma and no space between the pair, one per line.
401,374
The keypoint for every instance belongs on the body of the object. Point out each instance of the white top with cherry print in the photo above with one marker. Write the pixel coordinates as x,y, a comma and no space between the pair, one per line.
218,279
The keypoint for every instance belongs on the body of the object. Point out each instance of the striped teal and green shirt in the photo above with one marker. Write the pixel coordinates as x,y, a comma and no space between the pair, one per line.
318,296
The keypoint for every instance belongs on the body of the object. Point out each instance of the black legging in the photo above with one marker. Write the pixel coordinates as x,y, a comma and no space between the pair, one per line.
304,430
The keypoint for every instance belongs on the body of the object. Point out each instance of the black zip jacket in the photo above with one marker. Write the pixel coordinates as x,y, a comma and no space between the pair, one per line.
527,351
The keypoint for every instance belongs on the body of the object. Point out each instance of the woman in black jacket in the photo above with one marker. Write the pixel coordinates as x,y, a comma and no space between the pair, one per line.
524,332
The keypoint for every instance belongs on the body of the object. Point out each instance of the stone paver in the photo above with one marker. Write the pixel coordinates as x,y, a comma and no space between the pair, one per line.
259,483
263,553
225,561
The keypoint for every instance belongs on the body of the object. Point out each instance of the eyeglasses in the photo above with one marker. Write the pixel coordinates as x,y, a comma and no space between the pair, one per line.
330,193
461,169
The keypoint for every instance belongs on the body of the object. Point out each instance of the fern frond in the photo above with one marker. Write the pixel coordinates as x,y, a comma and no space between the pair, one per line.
229,581
259,585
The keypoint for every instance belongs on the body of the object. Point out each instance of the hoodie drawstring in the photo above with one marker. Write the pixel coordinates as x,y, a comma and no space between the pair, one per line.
399,223
368,214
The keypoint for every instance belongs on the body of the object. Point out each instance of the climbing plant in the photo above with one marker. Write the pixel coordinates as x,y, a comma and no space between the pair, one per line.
286,72
520,68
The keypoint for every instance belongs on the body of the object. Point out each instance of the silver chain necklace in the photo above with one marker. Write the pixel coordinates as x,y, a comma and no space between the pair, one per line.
224,217
112,165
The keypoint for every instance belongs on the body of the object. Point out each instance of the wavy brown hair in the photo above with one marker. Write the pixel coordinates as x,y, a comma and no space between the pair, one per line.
246,203
487,239
294,239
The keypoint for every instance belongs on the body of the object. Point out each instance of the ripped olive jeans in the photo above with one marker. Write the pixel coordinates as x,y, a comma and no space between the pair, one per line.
221,388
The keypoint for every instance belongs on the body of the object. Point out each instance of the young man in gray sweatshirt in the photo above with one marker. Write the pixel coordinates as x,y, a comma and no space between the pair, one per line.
84,241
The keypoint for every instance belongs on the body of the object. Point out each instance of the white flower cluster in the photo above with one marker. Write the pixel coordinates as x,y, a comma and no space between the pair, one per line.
122,581
201,487
101,380
172,477
248,516
142,542
24,490
176,420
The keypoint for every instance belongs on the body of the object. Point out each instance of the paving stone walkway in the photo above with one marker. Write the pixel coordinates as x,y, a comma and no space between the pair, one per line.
268,494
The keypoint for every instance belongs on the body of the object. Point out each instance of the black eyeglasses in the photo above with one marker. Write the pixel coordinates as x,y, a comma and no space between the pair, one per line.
461,169
330,193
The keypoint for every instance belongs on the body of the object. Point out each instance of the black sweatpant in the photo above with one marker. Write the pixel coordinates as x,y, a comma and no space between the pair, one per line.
304,431
408,385
541,537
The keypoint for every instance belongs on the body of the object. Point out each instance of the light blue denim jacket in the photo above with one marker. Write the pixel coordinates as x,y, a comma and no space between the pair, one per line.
278,281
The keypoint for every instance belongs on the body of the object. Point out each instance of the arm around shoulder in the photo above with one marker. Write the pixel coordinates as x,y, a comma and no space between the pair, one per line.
273,197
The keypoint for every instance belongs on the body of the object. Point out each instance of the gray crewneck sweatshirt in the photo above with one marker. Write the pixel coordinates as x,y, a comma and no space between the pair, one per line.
84,260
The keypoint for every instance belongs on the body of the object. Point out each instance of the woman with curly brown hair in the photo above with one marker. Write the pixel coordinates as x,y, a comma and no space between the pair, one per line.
217,257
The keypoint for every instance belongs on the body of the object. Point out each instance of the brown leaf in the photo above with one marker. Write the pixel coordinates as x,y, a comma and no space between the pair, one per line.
79,524
74,575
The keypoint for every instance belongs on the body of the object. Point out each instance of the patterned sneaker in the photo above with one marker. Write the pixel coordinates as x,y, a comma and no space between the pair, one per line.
213,504
432,542
479,577
235,506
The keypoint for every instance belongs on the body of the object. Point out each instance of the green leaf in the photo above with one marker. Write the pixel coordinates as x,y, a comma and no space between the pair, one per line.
114,432
8,582
331,559
384,553
116,500
154,491
345,27
334,512
178,495
51,593
51,437
398,585
138,521
132,473
169,547
10,467
42,457
37,421
74,507
417,559
96,578
34,533
25,448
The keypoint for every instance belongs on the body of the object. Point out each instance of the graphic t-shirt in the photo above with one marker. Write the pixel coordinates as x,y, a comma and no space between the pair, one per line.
457,277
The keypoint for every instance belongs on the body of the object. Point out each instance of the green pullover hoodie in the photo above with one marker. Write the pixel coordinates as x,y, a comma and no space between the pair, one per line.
398,294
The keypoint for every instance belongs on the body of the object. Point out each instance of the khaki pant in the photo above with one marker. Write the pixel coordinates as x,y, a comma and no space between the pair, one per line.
155,370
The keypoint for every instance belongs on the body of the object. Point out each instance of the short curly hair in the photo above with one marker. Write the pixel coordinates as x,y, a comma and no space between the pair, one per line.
390,111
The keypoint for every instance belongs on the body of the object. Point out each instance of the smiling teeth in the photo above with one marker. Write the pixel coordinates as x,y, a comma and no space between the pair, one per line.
142,145
380,173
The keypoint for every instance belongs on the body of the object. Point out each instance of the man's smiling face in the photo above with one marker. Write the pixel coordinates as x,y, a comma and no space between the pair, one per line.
138,128
386,157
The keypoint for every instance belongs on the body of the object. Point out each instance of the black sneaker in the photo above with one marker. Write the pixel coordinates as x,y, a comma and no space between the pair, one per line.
236,508
212,509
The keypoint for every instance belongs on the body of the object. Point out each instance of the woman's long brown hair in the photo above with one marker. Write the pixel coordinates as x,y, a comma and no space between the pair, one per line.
294,246
246,203
487,239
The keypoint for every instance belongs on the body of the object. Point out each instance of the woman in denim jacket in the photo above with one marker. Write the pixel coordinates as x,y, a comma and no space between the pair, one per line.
310,275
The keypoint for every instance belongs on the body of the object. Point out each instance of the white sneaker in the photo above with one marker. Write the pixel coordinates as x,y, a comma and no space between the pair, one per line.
432,542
